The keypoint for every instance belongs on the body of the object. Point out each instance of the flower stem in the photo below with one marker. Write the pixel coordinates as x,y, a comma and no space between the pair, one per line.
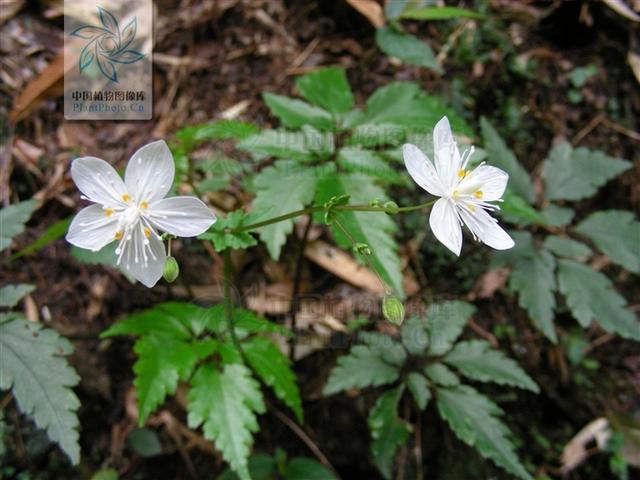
228,301
320,208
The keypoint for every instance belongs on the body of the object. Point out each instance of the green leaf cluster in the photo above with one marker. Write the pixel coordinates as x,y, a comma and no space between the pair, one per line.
182,342
279,466
427,362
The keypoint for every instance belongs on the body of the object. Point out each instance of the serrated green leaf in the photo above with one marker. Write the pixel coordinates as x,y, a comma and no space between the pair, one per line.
440,374
501,156
261,467
388,348
516,209
327,88
576,174
419,388
223,239
478,361
41,380
617,234
357,160
557,216
409,49
387,101
591,297
445,322
414,336
566,247
372,228
12,220
363,366
226,404
473,418
54,232
278,143
387,430
173,319
281,189
10,295
274,369
105,256
306,469
534,280
295,113
162,362
440,13
219,130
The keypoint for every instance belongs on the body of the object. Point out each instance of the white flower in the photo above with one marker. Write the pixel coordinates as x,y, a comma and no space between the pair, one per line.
464,195
131,211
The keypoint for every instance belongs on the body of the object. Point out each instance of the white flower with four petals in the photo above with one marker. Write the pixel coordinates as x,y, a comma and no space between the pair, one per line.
132,211
464,195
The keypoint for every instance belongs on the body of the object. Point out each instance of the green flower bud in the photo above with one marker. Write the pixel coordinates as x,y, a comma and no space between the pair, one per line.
392,309
171,270
391,207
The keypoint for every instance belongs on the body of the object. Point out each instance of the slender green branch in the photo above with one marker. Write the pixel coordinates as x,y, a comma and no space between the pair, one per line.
337,208
228,301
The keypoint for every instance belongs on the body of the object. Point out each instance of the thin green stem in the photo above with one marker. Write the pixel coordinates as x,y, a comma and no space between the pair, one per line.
337,208
228,301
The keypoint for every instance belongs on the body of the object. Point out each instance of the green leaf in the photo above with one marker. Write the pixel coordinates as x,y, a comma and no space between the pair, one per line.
514,207
261,467
274,369
327,88
367,162
223,239
178,320
34,368
278,143
533,278
409,49
389,349
12,220
162,362
226,404
390,99
419,388
363,366
576,174
473,418
144,442
10,295
219,130
281,189
566,247
295,113
501,156
306,469
476,360
440,374
387,430
591,297
54,232
105,256
616,233
557,216
445,322
372,228
414,336
440,13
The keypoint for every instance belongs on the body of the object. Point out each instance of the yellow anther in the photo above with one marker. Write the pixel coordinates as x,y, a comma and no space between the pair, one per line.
126,197
462,173
108,212
471,208
478,194
144,205
147,232
456,194
119,234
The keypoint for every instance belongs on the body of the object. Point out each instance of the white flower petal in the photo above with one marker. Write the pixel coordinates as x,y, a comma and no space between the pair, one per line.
445,225
422,170
143,262
490,180
486,229
92,229
150,172
98,181
447,155
181,216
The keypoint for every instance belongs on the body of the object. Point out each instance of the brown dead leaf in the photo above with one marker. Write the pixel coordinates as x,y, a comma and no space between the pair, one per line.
489,283
575,452
623,9
370,9
8,8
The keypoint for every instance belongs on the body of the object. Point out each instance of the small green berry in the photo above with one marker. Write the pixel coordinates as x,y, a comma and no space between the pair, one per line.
171,269
392,309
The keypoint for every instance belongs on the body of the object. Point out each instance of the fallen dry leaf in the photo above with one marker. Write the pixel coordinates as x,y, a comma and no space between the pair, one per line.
576,452
370,9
